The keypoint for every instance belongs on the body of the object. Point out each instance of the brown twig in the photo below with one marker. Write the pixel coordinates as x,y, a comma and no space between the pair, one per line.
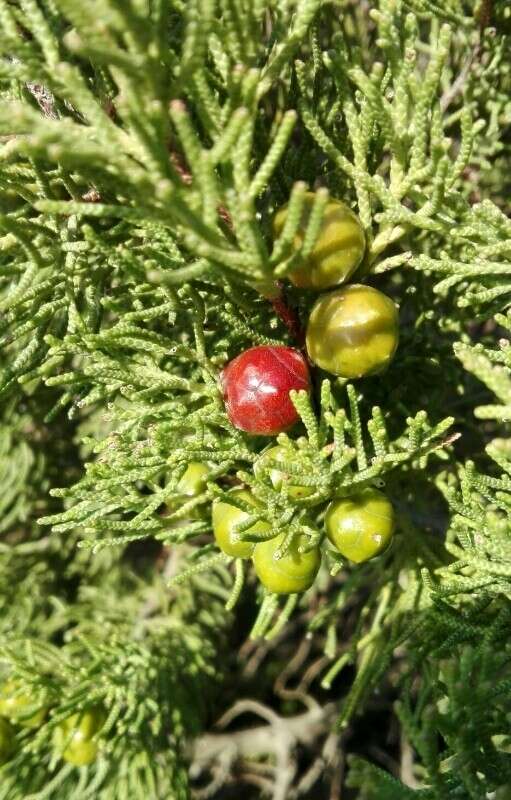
315,669
292,667
179,165
216,753
406,772
457,87
485,18
255,651
485,15
44,98
186,178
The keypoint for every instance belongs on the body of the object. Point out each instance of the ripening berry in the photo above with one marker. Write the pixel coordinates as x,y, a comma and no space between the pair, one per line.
76,735
256,386
225,520
21,707
194,479
353,331
294,572
338,250
360,526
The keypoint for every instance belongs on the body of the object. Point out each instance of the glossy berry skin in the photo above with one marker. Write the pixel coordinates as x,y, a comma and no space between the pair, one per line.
256,386
76,734
353,331
294,572
17,705
194,479
226,517
279,454
338,250
6,740
360,526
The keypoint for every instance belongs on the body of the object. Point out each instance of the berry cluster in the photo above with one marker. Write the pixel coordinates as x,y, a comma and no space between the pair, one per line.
352,332
74,738
360,527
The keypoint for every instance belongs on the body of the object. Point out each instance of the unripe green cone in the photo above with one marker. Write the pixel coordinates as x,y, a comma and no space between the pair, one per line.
353,331
226,518
338,250
294,572
360,526
17,705
76,734
193,481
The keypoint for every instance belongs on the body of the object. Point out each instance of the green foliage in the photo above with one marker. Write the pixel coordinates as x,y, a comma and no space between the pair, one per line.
145,146
156,666
492,368
458,708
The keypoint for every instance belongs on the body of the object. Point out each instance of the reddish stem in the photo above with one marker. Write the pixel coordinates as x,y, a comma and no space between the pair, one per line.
288,316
